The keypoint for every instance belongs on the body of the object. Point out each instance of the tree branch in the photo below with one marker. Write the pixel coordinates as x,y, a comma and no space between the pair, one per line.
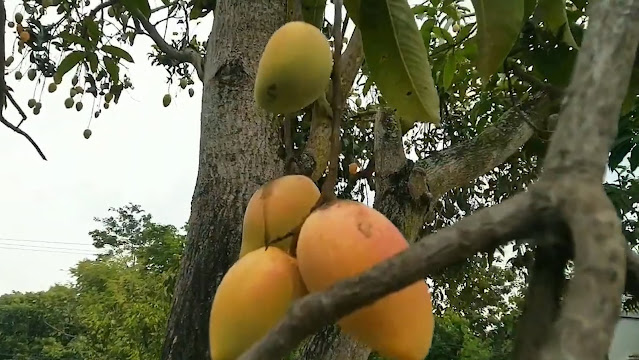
186,55
313,160
574,167
4,90
462,163
485,228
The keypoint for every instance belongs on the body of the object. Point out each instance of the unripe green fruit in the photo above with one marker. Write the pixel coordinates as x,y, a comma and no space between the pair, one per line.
79,106
31,103
8,61
183,83
68,103
111,12
72,92
86,133
57,79
19,17
191,92
106,105
52,87
294,69
18,75
11,24
36,110
456,28
31,74
79,89
108,97
38,105
74,81
166,100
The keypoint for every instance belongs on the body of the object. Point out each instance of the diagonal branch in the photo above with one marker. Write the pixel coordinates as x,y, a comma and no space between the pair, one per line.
483,229
186,55
462,163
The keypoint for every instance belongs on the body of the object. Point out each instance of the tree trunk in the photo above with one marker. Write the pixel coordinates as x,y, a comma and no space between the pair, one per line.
238,153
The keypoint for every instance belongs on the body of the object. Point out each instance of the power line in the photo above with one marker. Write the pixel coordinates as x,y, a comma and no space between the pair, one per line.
44,241
49,251
43,247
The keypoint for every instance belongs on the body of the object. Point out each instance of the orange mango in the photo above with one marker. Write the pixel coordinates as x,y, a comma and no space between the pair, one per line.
253,296
345,238
279,205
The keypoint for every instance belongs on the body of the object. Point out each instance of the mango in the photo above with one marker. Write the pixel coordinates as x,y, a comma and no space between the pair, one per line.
345,238
253,296
278,206
294,68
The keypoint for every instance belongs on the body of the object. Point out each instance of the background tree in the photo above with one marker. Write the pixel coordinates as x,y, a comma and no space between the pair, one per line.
495,101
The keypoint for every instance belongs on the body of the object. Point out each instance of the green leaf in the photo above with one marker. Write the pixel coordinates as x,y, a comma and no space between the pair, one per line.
449,70
69,62
498,26
142,5
634,158
93,61
113,69
553,14
353,7
529,8
72,38
119,52
426,31
443,34
398,61
313,11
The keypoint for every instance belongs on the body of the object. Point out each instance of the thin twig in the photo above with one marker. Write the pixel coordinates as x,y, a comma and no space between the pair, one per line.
186,55
328,188
21,132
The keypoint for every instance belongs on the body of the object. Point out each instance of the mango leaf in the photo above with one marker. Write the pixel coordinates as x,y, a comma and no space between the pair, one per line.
633,91
69,62
313,11
75,39
553,14
426,31
113,69
449,70
93,61
142,5
634,158
353,7
119,52
498,26
398,61
529,8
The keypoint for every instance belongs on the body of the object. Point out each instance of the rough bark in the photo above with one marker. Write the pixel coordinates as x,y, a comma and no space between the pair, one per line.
570,189
238,153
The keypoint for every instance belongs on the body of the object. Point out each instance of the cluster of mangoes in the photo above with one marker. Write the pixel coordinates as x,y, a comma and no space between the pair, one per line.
339,239
292,247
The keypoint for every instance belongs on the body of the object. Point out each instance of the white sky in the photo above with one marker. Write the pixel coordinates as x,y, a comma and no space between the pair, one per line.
139,152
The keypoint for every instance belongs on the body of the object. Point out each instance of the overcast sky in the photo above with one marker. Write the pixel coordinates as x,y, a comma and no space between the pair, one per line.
139,152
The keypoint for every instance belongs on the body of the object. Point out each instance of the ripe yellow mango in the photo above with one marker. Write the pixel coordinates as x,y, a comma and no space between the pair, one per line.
345,238
253,296
281,205
294,69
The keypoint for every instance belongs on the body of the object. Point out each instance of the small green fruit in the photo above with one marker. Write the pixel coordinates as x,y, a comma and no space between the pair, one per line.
166,100
36,110
31,103
74,81
18,75
68,103
191,92
8,61
108,97
19,17
456,28
79,106
57,79
52,87
111,11
183,83
11,24
106,105
31,74
72,92
79,89
38,105
86,133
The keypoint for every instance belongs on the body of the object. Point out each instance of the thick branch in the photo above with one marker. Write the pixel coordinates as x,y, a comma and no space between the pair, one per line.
485,228
632,276
313,159
461,163
574,166
186,55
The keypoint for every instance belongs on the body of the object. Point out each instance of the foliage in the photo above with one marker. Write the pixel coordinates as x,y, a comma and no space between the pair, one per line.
117,306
